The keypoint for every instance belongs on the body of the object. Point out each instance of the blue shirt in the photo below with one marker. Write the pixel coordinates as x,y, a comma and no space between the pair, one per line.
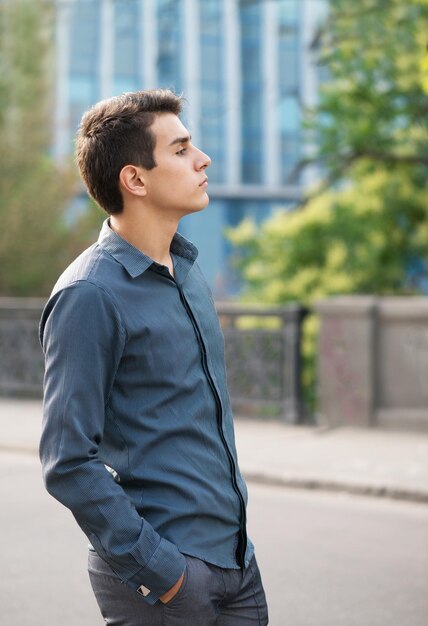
138,436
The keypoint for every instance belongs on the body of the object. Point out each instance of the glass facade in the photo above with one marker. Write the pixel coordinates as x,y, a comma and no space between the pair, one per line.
127,65
84,59
213,97
288,82
170,44
252,86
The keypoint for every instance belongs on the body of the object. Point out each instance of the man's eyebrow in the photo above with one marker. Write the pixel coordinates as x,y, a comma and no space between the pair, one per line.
180,140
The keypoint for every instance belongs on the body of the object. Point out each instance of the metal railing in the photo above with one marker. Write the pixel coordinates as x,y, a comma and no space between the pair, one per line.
263,359
262,347
21,358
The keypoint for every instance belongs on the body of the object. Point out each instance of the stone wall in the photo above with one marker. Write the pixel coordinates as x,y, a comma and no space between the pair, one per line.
373,361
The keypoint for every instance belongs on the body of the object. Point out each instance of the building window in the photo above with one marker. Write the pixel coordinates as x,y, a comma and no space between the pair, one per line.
289,113
252,81
84,58
212,87
170,43
289,12
127,64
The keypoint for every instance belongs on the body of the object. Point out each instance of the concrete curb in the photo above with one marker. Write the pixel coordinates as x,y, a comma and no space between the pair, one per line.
359,489
296,482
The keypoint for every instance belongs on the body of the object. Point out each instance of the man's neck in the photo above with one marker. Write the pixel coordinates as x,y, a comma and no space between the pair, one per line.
149,234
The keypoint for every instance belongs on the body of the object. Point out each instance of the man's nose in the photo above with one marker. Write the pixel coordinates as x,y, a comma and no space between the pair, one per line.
204,160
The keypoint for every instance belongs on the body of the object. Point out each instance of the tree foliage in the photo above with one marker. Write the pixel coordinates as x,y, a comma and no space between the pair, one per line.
34,192
368,231
364,229
373,105
368,238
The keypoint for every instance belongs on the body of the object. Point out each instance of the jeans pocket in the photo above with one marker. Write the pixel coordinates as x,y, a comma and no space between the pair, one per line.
177,598
196,602
99,567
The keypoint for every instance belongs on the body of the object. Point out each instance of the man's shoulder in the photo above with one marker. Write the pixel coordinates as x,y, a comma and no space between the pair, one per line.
83,291
93,266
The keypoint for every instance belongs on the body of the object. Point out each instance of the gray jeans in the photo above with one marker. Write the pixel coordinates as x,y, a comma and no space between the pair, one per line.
208,596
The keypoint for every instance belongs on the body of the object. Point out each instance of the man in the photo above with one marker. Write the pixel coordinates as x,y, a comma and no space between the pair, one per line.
137,432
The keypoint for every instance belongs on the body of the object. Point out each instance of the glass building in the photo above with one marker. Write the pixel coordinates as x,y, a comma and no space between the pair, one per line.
245,68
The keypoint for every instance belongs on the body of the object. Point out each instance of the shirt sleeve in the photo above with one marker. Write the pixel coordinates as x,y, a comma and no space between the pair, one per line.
83,338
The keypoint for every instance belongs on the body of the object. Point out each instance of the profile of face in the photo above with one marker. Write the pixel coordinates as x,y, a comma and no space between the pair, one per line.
178,183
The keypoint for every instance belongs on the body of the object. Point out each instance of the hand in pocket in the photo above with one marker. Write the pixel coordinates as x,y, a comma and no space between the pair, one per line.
171,593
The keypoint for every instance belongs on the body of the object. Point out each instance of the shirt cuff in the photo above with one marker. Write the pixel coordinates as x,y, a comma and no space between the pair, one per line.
161,572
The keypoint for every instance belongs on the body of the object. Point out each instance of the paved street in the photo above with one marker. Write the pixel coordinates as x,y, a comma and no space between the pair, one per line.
327,559
44,582
339,559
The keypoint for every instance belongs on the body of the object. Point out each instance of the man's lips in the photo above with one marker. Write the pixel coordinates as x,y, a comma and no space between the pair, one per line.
204,183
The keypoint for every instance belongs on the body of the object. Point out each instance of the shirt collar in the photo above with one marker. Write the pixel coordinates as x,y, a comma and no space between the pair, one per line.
134,261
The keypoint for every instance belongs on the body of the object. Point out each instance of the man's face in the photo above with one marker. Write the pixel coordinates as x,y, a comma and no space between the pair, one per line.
178,182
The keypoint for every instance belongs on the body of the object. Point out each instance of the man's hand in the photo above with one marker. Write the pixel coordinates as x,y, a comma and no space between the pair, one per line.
174,589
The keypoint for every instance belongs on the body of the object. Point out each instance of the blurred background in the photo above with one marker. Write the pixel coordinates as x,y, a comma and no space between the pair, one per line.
315,244
315,116
247,69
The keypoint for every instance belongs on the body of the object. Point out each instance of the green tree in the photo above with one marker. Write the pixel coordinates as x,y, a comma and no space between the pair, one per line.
365,228
374,106
34,192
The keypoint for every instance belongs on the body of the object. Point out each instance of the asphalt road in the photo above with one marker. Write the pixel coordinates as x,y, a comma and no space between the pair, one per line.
340,560
326,559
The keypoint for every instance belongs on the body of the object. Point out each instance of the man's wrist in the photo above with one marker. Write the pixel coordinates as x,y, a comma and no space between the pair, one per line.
160,573
166,597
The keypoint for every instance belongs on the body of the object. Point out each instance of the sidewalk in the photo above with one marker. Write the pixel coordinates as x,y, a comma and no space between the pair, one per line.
371,462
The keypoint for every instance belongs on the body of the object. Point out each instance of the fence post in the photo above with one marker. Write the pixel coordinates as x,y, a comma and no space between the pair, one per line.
293,405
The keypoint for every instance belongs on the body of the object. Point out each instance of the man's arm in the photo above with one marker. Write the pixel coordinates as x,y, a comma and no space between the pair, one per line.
83,339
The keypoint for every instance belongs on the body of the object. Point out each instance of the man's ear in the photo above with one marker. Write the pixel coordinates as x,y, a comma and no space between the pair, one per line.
131,180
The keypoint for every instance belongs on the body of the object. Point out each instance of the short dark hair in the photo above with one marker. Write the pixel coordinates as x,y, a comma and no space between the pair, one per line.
116,132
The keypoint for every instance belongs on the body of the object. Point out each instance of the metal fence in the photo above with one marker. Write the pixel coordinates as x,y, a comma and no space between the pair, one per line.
263,359
21,358
262,346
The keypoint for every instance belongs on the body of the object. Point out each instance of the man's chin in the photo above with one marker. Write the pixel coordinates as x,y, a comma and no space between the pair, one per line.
206,201
200,206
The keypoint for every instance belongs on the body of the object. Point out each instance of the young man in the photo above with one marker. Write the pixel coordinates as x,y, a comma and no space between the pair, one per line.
137,434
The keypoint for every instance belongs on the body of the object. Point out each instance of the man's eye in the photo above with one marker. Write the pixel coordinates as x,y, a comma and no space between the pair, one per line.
182,151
